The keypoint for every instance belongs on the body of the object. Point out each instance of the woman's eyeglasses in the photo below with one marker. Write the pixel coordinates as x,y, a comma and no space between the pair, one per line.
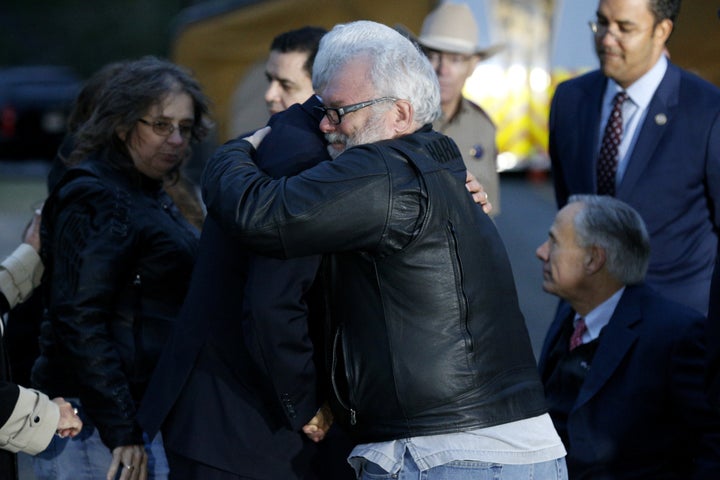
165,128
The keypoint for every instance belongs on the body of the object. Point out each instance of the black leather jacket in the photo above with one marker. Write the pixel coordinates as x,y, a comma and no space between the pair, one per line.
118,259
432,337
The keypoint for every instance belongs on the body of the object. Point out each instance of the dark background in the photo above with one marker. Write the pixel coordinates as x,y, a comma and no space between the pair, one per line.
85,34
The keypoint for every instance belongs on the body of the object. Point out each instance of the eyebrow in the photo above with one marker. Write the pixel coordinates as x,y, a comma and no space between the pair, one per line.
626,23
283,80
622,23
165,118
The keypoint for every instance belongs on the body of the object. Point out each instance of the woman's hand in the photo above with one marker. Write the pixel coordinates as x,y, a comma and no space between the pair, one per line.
31,235
133,461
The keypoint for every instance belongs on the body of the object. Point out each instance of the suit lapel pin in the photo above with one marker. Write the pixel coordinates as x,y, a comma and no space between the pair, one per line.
660,119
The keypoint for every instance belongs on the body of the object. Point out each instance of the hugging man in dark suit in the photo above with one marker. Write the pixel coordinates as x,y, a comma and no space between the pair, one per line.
623,367
663,157
237,380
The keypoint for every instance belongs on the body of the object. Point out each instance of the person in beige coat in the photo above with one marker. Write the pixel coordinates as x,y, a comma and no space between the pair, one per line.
28,418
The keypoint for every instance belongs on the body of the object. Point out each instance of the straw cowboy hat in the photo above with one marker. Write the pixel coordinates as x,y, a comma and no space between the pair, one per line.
452,28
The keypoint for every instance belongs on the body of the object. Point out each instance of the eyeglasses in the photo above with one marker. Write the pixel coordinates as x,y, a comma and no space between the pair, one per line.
622,33
336,114
165,128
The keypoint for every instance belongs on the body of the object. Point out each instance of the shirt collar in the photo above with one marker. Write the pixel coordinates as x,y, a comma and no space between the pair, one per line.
643,89
599,316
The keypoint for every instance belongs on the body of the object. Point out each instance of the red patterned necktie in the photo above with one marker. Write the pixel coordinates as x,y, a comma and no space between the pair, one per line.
576,337
608,159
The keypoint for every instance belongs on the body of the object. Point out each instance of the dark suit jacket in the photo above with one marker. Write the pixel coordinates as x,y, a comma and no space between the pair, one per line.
641,411
713,340
238,379
672,178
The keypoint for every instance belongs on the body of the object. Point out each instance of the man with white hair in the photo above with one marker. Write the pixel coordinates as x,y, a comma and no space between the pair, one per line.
431,365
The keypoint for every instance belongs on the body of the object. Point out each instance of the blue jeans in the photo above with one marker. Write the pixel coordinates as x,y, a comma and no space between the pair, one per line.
469,470
86,457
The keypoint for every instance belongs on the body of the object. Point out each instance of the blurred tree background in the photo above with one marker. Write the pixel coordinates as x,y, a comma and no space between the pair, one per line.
85,34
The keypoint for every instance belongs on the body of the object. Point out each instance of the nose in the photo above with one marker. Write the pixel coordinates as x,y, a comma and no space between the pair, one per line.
608,39
607,36
439,64
175,138
326,126
272,92
542,251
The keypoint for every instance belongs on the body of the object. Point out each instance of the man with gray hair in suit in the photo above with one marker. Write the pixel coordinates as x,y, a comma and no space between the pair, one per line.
623,367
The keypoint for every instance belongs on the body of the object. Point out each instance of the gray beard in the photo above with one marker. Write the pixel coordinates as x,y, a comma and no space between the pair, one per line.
371,132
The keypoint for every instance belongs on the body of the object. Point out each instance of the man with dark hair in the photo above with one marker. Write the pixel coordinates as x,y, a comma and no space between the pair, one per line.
622,366
647,132
289,67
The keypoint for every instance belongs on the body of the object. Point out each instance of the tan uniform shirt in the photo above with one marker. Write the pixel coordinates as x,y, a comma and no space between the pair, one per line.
474,132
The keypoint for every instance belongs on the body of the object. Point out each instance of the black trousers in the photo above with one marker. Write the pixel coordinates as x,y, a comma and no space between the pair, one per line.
184,468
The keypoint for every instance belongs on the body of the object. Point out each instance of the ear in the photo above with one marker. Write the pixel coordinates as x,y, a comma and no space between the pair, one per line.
663,31
121,133
403,117
595,259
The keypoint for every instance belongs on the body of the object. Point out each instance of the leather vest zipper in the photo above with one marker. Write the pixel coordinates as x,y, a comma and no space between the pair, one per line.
353,413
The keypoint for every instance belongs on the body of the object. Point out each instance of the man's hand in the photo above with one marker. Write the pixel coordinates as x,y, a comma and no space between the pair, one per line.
257,137
69,424
478,192
319,425
133,461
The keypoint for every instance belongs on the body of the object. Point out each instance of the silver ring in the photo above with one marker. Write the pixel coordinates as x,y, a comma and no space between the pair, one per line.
129,467
75,411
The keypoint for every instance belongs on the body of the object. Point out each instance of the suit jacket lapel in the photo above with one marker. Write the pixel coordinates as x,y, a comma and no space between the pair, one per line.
657,122
617,338
589,137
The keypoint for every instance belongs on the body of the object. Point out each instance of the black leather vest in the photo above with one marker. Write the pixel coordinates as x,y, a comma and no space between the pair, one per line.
433,340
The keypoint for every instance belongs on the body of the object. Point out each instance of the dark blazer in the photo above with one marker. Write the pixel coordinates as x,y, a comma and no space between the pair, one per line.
641,411
238,378
713,340
672,178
